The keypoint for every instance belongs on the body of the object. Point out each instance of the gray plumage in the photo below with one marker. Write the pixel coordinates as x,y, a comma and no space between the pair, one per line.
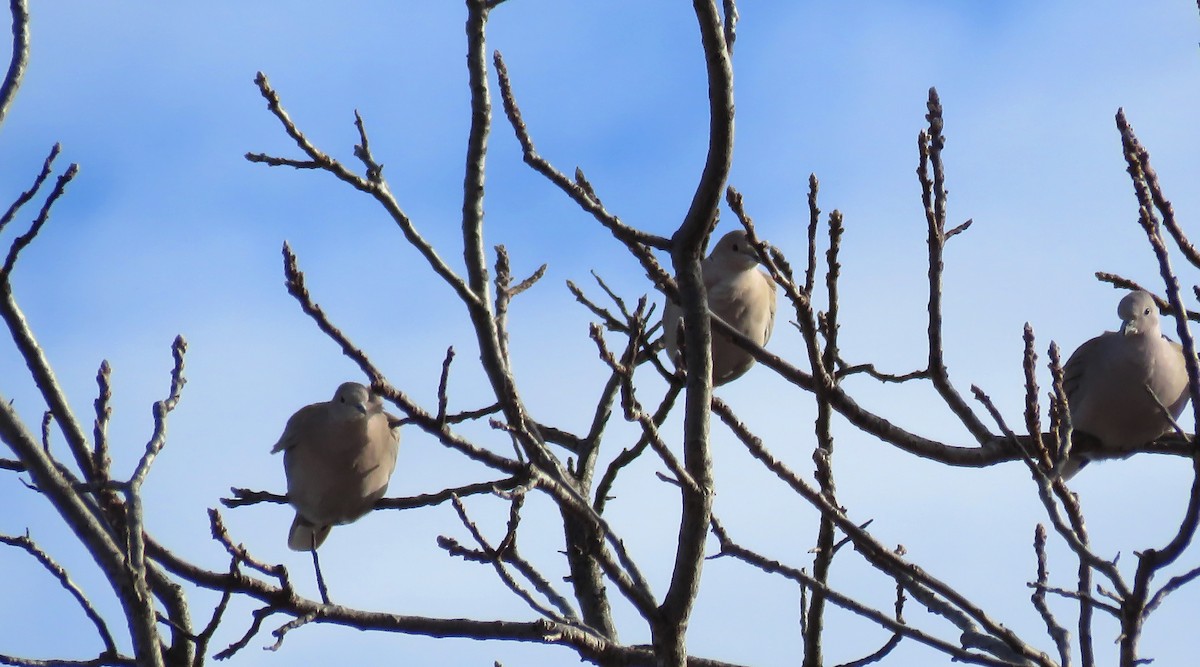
1106,382
338,456
739,293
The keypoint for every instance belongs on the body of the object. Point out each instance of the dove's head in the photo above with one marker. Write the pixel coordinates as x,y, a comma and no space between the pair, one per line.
357,398
1139,314
734,252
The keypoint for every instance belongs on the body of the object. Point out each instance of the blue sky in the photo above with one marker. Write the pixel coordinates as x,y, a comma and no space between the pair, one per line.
169,230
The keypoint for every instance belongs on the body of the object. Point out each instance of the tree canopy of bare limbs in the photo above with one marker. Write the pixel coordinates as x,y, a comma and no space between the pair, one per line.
527,457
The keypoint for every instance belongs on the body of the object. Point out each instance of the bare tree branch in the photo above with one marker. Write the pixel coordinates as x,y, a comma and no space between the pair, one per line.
20,56
933,593
1150,198
26,343
506,552
730,548
686,247
27,195
933,194
64,579
83,521
100,661
893,641
377,189
580,190
152,584
589,646
1060,635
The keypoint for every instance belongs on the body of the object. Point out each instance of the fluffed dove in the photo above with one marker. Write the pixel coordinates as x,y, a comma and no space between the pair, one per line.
1106,382
739,293
338,456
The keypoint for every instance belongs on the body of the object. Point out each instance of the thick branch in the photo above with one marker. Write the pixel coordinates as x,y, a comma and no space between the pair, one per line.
589,646
83,521
686,247
27,344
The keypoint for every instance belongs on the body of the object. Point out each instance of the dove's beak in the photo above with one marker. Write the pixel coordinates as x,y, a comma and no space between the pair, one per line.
1128,328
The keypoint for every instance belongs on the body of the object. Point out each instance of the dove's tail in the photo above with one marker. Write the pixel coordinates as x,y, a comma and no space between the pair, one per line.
303,536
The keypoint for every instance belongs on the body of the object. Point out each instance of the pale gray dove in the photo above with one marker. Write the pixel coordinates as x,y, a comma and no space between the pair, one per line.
1107,378
739,293
338,457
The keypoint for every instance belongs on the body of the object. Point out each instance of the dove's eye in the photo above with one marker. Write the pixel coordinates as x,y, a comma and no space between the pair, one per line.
1147,311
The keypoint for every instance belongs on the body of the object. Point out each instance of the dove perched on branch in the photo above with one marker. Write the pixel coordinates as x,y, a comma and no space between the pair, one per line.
739,293
338,456
1109,380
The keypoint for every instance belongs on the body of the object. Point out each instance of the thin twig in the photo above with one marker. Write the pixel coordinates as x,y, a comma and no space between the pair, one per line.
933,195
732,549
635,240
814,220
443,381
376,188
295,623
1164,306
634,412
629,455
64,579
362,151
100,457
1150,198
1173,584
241,555
23,241
161,410
259,615
920,584
1060,635
496,558
205,636
20,55
27,195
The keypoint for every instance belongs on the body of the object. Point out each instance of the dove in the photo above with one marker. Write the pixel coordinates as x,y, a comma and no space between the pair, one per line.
1108,380
338,457
739,293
